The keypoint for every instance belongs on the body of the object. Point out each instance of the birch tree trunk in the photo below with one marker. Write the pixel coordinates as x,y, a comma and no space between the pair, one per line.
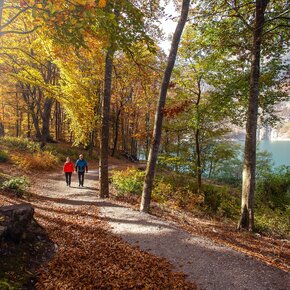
152,159
249,168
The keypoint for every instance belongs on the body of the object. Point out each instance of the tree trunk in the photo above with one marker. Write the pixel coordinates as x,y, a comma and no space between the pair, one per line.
198,161
17,115
2,131
197,138
45,134
147,142
28,125
116,131
249,168
152,159
35,121
1,12
105,128
57,120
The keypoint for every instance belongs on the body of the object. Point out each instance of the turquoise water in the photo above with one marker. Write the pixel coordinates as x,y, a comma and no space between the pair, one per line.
280,151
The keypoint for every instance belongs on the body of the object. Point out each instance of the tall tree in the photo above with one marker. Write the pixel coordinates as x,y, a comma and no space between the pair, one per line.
262,39
249,168
152,159
104,144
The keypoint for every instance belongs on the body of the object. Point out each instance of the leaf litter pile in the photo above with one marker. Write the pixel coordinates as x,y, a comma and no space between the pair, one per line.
88,256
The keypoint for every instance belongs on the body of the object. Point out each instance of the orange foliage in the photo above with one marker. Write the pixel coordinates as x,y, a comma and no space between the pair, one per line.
177,109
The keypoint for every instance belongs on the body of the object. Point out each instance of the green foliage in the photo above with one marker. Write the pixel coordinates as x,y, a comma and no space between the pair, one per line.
19,144
162,191
5,284
4,157
128,181
273,202
224,162
221,201
273,189
16,184
274,222
177,163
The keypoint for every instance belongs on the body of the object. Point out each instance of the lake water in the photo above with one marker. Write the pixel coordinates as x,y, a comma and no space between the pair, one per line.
280,151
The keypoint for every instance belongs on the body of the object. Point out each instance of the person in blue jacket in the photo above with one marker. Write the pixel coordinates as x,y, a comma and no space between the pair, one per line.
81,167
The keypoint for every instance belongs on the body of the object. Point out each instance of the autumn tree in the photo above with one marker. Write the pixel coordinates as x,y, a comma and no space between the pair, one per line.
152,159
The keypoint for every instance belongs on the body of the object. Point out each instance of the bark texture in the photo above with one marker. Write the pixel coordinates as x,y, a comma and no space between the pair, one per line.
249,168
105,128
152,159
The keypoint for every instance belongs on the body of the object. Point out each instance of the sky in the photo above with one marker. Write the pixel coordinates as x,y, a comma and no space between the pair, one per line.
168,26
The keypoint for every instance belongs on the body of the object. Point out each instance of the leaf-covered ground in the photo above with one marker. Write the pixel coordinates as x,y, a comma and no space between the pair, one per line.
89,257
271,250
88,254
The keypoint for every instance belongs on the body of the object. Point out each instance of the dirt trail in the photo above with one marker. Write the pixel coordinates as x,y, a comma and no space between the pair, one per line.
208,264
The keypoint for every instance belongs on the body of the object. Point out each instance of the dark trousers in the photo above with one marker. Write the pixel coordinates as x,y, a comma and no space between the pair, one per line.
68,177
81,178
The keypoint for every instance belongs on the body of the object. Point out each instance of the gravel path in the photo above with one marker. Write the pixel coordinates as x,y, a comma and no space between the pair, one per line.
208,264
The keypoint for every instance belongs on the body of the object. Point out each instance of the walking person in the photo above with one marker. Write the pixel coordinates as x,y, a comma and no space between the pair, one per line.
68,169
81,167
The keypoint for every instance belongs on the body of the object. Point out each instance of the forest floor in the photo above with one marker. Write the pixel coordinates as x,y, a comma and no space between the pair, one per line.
106,244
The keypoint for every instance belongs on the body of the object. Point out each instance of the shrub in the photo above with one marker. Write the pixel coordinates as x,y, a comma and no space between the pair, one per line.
128,181
221,200
212,197
4,157
162,191
16,184
20,144
274,222
273,190
38,161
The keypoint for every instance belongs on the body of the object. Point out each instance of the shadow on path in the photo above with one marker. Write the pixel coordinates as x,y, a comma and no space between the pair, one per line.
209,265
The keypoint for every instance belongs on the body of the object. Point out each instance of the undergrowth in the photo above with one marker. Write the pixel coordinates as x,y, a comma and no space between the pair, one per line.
17,185
37,161
178,190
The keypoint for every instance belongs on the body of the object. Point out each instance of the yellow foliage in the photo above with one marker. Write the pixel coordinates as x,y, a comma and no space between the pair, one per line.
102,3
38,161
81,2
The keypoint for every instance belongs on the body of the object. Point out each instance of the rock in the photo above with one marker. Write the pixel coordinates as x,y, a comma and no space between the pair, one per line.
16,221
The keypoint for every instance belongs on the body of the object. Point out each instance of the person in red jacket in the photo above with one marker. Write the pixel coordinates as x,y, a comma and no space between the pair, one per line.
68,169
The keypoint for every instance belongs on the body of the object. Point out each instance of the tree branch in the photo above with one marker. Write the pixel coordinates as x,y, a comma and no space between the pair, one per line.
18,31
279,16
280,25
239,15
13,18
